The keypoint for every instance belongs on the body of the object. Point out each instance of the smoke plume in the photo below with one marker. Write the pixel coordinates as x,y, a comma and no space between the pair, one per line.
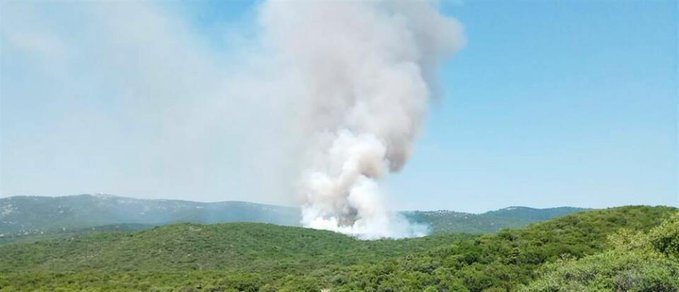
366,71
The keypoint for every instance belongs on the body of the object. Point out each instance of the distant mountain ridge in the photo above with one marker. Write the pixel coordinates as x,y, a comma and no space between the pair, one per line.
535,214
488,222
36,215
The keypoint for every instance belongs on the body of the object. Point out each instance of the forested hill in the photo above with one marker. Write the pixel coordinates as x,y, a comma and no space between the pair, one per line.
24,216
492,221
623,249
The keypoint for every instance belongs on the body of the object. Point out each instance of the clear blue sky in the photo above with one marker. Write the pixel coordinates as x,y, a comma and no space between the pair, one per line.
550,103
556,103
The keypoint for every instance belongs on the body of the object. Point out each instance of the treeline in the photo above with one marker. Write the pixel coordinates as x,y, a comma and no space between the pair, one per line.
620,249
591,251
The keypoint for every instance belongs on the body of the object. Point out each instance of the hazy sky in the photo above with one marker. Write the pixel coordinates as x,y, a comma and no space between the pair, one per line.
550,103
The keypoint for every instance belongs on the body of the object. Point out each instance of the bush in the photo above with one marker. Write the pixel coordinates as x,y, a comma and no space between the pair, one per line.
637,262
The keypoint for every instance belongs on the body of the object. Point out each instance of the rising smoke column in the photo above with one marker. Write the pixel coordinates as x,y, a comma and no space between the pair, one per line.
365,70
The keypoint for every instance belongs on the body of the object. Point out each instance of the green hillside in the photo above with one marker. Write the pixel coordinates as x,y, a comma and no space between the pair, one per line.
488,222
509,258
33,215
636,261
32,237
34,218
228,246
264,257
532,214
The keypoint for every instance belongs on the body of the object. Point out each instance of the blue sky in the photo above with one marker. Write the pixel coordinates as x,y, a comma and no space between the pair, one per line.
556,103
550,103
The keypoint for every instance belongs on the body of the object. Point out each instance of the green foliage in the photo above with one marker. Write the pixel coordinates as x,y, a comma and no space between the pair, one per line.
506,260
665,238
636,262
235,246
610,271
615,243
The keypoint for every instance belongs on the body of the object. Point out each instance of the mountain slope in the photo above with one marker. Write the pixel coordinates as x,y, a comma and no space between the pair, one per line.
227,246
507,260
36,215
532,214
264,257
488,222
23,218
637,261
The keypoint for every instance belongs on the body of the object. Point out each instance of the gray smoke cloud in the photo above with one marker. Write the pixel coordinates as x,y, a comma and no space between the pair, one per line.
365,72
134,103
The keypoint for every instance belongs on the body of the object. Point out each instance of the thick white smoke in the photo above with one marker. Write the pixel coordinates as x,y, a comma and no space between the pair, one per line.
366,70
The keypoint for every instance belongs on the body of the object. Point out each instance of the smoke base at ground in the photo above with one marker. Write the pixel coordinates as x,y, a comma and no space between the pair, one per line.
366,72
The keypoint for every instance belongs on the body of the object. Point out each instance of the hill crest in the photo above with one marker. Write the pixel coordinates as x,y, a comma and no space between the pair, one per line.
36,215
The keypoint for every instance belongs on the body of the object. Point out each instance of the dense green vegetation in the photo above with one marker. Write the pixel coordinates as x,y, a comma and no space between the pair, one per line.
17,238
637,261
505,260
248,247
625,245
266,253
